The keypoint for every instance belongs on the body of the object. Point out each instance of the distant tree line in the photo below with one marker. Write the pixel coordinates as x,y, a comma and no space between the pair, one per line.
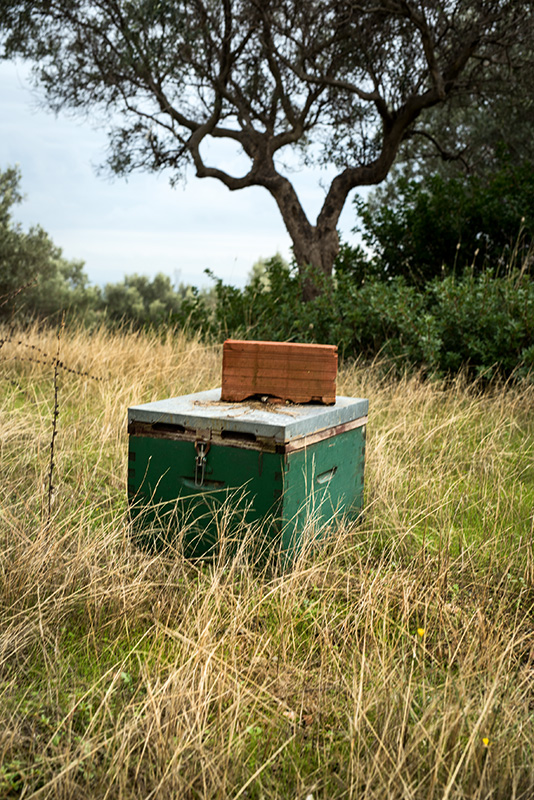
37,282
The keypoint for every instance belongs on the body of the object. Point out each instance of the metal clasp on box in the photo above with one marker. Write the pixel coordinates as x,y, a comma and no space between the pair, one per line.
201,449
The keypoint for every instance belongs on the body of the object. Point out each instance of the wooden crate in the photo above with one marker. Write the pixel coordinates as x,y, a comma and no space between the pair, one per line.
302,373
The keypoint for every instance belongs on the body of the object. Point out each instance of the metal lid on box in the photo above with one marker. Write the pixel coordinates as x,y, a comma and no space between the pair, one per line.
281,423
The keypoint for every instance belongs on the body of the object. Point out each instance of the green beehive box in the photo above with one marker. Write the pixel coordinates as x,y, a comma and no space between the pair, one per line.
296,468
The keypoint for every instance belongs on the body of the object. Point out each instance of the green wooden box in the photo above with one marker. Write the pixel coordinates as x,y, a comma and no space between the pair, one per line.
197,466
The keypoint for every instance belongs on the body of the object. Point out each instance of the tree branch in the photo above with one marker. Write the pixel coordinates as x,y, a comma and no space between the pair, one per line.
421,24
446,155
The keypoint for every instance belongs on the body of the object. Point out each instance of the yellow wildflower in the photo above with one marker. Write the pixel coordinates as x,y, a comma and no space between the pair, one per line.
421,632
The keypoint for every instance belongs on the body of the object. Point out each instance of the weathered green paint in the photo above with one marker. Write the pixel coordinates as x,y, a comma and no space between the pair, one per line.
315,484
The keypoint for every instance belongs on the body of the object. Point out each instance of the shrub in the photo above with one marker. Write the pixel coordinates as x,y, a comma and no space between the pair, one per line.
426,229
139,300
479,322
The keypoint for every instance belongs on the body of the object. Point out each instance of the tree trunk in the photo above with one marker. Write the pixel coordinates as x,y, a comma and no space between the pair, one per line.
315,246
315,252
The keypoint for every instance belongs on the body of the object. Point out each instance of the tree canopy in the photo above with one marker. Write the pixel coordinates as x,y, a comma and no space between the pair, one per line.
342,82
474,135
25,257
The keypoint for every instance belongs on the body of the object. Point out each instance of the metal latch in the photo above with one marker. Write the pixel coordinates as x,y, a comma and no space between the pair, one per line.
201,449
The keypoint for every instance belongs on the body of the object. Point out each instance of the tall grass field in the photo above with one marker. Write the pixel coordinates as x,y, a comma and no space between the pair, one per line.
396,661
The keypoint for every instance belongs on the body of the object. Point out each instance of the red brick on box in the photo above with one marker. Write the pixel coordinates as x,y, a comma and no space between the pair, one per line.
301,373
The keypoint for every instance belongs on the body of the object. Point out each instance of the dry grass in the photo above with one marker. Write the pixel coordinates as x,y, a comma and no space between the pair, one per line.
397,662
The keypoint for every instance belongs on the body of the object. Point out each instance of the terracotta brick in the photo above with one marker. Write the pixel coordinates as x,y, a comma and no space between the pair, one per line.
301,373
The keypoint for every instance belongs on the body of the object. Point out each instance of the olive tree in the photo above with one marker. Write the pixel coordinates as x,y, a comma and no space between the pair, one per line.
35,278
341,82
25,256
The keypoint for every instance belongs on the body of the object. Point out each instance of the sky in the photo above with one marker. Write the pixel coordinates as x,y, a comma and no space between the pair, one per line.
119,226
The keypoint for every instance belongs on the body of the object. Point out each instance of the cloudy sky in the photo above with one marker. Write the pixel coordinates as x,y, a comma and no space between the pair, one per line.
142,225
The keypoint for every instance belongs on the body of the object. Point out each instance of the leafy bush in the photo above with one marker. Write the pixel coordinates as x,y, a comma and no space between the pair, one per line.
65,288
477,321
425,229
139,300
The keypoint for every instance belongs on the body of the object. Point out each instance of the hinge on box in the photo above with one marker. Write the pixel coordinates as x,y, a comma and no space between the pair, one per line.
201,449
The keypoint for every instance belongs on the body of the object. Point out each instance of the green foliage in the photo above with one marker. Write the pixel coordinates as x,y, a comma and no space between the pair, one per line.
139,300
24,256
259,272
338,84
423,229
67,289
35,280
475,321
472,135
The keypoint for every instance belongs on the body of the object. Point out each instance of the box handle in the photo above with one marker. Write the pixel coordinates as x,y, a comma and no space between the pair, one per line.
327,476
207,485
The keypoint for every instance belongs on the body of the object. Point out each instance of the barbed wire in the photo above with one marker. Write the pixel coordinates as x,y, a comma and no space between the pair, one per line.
47,360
